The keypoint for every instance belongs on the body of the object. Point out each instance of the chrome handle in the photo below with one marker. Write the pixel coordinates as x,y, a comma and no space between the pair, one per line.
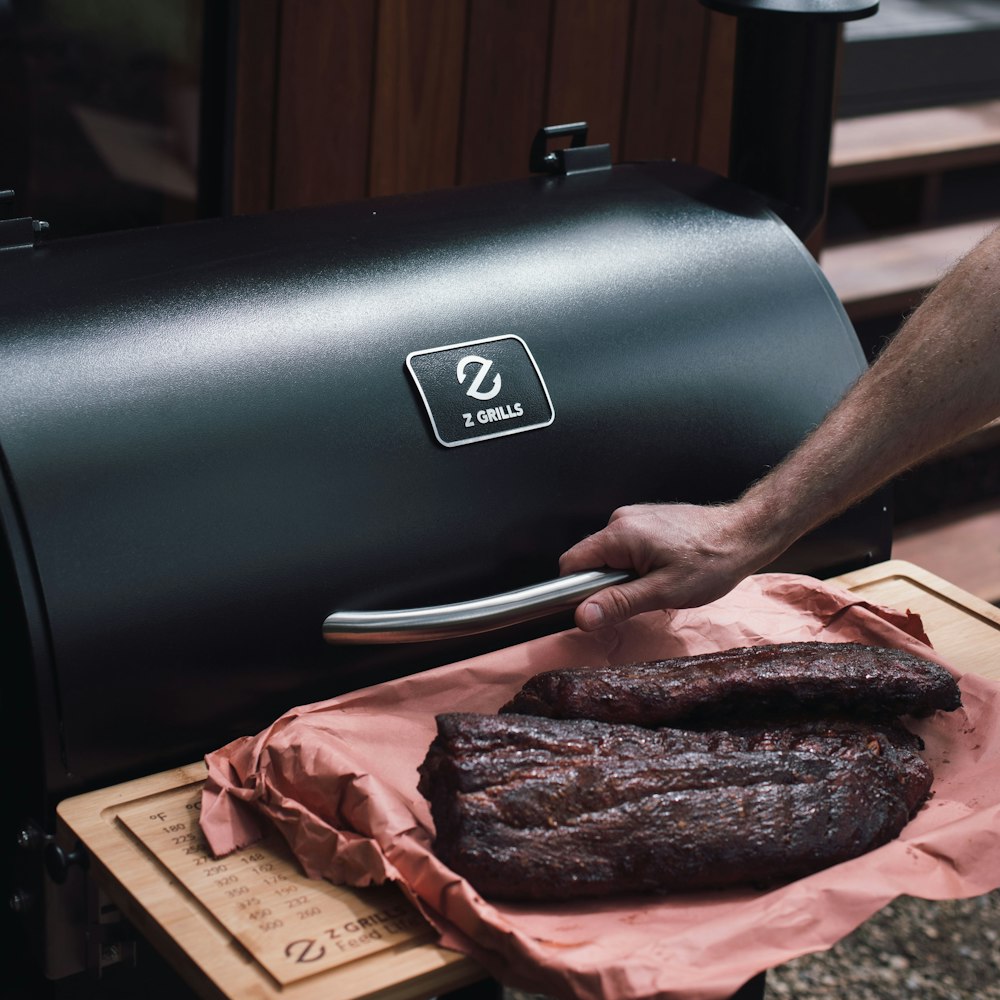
451,621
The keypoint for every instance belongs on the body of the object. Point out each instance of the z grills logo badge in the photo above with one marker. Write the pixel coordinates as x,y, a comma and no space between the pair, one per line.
500,371
485,365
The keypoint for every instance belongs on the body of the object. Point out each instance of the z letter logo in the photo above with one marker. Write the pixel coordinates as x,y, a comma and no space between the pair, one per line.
474,389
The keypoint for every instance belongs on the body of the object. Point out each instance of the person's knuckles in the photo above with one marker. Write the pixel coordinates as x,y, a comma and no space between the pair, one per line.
618,604
649,593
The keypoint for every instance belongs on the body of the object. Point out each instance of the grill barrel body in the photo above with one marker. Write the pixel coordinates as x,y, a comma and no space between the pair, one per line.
211,439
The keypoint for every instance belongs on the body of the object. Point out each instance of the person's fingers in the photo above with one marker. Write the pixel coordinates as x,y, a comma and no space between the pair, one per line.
617,545
622,601
612,546
589,553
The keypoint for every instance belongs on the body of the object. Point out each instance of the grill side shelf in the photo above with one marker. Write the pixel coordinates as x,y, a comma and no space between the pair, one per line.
303,937
294,926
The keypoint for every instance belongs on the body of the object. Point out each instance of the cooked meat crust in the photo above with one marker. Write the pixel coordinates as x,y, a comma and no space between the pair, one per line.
781,760
754,682
533,808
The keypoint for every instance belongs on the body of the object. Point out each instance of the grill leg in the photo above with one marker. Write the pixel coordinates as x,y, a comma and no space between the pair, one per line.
752,989
485,989
490,989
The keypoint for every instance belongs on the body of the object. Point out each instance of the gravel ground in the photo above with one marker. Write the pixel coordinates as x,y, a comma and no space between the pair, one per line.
913,948
946,950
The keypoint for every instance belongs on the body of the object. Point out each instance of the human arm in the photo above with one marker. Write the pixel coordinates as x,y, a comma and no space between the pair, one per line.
938,380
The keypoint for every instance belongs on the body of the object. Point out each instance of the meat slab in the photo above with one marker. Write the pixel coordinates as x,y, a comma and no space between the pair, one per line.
534,808
751,682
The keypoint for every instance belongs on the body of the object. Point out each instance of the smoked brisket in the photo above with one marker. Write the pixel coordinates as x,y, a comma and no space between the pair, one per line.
751,683
534,808
778,761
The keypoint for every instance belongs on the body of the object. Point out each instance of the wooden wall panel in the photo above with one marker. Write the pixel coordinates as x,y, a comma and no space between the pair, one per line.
419,62
716,104
253,108
588,66
665,78
377,97
506,69
324,101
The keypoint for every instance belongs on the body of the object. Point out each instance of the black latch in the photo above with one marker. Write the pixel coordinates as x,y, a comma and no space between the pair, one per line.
577,158
16,233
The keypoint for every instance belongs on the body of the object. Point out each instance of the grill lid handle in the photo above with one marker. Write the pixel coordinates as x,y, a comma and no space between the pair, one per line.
452,621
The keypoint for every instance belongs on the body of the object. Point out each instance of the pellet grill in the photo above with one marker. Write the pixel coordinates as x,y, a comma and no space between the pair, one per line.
216,435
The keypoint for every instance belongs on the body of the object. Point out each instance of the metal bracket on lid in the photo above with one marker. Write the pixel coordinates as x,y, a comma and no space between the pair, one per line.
577,158
16,234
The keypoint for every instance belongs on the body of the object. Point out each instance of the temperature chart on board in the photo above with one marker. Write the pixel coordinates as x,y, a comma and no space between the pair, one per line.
294,926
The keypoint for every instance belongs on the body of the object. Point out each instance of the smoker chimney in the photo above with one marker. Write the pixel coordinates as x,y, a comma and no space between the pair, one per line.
783,91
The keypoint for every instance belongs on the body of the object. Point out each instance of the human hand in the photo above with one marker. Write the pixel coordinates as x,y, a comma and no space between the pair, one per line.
685,556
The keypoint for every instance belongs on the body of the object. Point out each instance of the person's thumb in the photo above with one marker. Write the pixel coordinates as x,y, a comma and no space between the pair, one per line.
619,603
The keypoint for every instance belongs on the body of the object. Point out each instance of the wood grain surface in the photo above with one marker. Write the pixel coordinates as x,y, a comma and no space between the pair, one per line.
348,99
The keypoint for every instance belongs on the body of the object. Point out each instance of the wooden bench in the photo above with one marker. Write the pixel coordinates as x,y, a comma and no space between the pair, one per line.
890,274
903,143
886,273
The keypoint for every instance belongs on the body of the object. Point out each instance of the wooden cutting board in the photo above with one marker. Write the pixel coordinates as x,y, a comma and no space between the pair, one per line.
962,627
251,926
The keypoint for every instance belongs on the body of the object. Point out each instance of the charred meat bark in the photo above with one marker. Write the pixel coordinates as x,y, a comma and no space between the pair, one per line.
781,760
532,808
746,683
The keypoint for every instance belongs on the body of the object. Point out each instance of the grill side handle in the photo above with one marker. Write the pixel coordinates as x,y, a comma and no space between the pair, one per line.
465,618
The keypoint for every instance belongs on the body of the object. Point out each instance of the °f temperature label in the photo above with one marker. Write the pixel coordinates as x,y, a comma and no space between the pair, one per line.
293,926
